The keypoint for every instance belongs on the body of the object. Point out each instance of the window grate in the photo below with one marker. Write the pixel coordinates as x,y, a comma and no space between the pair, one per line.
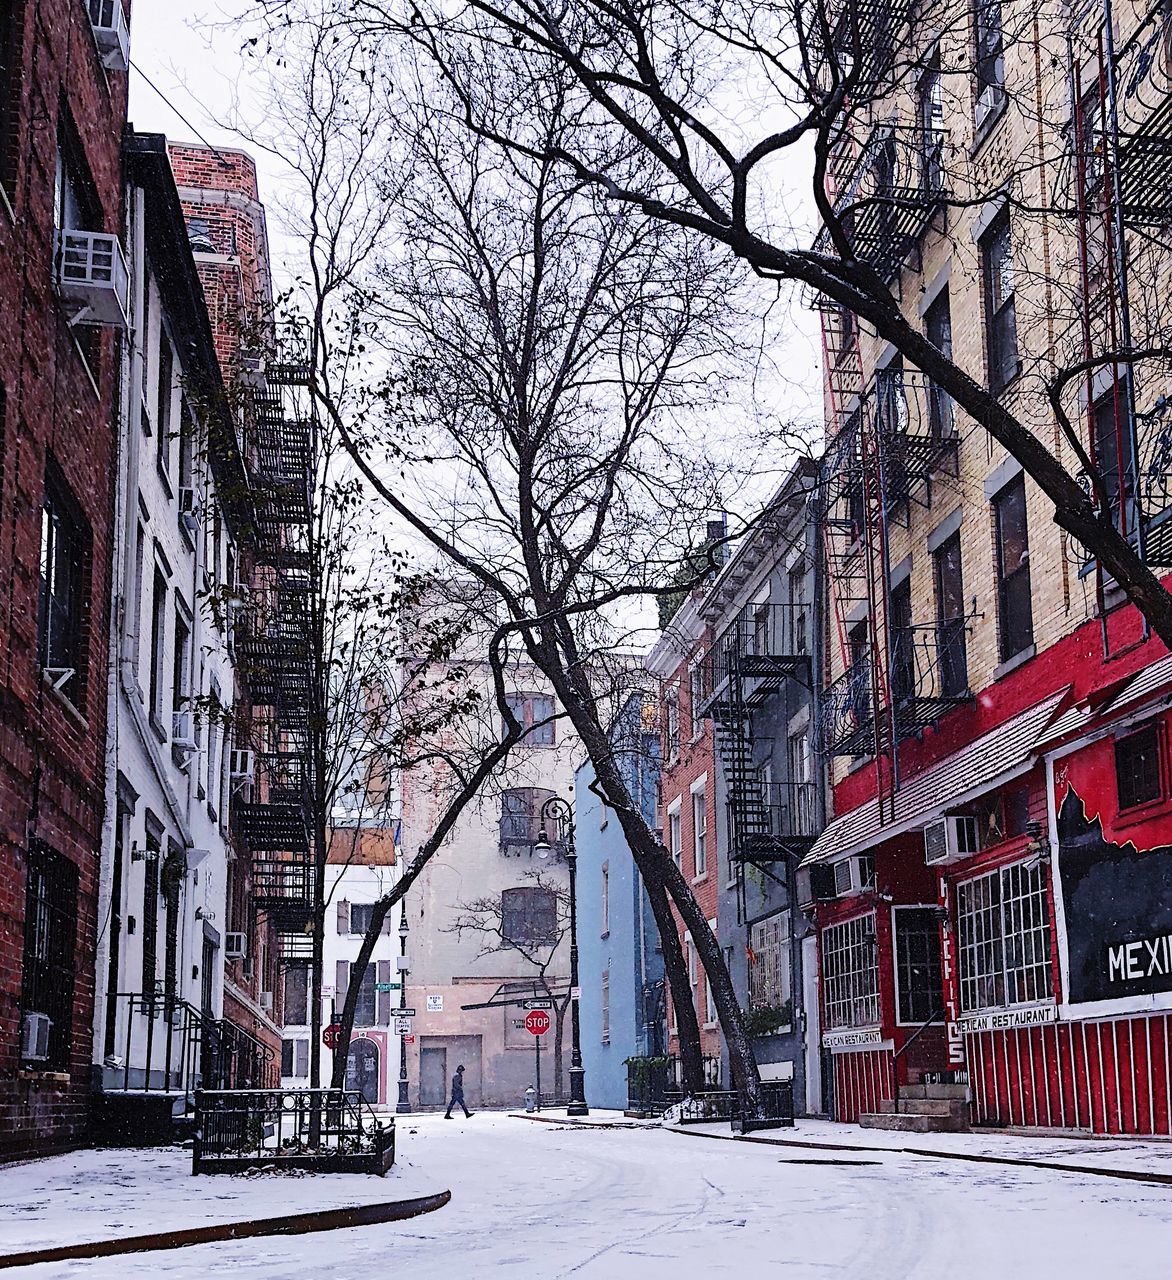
1004,938
850,966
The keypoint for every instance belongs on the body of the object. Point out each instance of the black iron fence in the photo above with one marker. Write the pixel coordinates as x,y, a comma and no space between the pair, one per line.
327,1130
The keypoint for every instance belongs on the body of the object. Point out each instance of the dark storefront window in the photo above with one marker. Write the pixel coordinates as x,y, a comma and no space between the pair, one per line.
50,932
917,964
1003,930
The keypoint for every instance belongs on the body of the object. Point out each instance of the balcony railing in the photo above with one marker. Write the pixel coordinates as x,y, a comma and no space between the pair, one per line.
762,647
283,889
272,817
863,42
1144,77
890,199
770,820
916,424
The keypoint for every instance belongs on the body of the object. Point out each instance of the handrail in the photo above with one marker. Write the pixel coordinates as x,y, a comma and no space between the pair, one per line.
936,1017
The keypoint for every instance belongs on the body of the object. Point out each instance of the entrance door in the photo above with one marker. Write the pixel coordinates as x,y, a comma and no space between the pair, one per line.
814,1105
362,1069
433,1076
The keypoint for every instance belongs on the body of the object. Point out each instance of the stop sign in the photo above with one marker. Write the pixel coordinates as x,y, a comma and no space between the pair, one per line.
537,1022
331,1035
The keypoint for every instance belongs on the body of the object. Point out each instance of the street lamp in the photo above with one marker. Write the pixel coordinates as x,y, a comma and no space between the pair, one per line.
557,810
403,1106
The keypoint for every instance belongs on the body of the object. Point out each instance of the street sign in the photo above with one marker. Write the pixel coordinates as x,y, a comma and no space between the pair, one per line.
402,1026
541,1003
388,986
537,1022
435,1004
403,1013
575,993
331,1035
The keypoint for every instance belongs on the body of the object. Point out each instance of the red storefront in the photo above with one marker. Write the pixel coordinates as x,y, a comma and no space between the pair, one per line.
1008,926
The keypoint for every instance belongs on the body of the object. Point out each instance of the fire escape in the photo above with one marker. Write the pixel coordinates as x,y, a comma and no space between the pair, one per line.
1121,166
276,650
751,661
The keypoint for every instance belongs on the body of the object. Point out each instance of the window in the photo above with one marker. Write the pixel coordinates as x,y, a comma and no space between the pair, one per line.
1137,766
990,43
605,898
850,973
360,917
534,711
365,1011
858,676
158,637
186,446
709,1003
1003,932
62,600
1014,602
50,932
950,619
903,648
164,395
75,208
700,832
181,663
529,915
931,121
918,973
800,759
296,995
1114,460
770,976
674,843
938,331
520,823
605,993
799,624
696,699
673,724
1000,307
9,97
295,1058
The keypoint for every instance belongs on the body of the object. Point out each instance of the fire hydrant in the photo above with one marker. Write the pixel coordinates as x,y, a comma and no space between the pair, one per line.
531,1099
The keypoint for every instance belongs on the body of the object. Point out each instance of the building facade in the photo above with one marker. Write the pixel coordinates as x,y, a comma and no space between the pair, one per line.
63,287
362,868
994,710
759,684
687,788
620,961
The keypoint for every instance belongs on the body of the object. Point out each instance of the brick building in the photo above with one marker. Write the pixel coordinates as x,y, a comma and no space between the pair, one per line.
687,784
63,293
992,897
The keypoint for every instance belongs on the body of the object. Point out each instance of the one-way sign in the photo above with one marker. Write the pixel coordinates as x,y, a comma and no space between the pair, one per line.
537,1004
403,1013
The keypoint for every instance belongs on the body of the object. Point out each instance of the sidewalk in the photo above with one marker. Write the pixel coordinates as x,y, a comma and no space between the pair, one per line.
94,1195
1120,1157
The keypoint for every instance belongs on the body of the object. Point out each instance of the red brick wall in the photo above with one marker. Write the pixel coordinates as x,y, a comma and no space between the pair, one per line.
51,758
696,758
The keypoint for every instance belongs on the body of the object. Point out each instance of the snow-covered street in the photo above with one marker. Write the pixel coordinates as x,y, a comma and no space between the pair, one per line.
547,1200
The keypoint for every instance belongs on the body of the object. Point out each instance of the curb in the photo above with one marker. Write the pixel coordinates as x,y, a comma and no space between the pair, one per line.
294,1224
572,1122
1017,1162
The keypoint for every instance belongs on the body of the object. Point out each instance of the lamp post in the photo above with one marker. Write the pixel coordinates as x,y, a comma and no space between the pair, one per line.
557,810
403,1106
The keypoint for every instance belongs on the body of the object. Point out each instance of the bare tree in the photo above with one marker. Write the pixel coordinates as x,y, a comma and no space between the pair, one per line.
722,103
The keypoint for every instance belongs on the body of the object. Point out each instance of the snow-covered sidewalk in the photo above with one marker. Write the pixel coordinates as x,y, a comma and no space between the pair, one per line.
1079,1153
88,1196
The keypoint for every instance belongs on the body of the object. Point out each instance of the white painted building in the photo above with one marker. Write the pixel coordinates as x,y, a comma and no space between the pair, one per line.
181,508
361,868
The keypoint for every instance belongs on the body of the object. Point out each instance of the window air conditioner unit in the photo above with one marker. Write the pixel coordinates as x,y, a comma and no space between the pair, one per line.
854,875
241,765
950,840
188,509
34,1040
183,730
92,277
111,33
236,946
815,883
266,1001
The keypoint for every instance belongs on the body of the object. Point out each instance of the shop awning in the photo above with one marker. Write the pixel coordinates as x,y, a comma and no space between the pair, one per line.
1093,712
986,762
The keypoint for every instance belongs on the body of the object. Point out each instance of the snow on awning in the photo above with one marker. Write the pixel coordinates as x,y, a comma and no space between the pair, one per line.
986,762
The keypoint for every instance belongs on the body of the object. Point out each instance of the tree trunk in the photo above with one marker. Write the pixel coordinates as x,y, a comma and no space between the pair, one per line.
675,969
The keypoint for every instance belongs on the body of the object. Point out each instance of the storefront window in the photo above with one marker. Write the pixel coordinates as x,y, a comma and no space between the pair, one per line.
850,973
1004,938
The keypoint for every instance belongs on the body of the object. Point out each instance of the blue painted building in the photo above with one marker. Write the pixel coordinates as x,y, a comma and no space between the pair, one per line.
620,963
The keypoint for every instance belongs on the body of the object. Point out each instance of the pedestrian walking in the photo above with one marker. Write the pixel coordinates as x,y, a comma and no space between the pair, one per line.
457,1093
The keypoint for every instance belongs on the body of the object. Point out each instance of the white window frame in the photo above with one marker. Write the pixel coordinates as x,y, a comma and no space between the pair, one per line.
854,991
675,841
699,794
771,970
971,944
